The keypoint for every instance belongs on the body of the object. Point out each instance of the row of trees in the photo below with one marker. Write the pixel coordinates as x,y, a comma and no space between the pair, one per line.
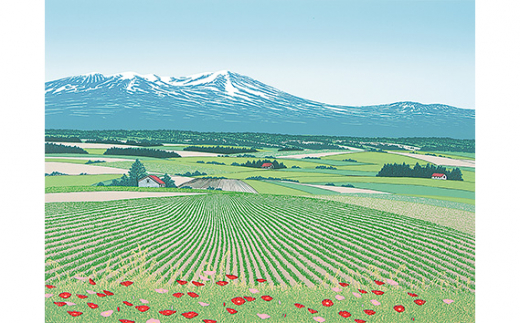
259,163
221,149
51,148
62,139
405,170
136,172
142,143
157,153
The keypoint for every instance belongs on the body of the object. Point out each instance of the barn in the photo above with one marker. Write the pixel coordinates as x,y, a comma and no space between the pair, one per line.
439,176
267,165
151,181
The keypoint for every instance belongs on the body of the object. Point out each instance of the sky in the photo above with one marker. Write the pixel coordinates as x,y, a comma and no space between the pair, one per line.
349,52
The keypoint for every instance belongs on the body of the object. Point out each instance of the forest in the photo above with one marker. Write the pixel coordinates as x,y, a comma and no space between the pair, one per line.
156,153
256,140
405,170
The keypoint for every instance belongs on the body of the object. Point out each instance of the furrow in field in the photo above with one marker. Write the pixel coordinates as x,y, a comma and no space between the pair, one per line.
428,250
253,255
263,252
414,261
118,250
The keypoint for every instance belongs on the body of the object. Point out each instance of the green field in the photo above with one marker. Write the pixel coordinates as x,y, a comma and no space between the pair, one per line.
75,180
257,235
361,174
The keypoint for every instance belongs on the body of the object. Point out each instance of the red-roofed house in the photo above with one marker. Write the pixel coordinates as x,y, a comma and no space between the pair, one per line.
151,181
439,176
267,165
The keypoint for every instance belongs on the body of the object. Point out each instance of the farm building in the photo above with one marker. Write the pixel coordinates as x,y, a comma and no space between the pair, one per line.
267,165
439,176
151,181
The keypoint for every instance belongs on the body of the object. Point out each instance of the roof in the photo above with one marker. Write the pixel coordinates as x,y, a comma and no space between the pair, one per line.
154,178
438,175
267,164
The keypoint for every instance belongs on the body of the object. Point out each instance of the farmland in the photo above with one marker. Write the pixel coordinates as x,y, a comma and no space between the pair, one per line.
282,239
308,228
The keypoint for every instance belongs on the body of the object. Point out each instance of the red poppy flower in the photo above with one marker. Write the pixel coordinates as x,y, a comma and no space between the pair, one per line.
167,312
191,294
419,302
197,283
126,321
312,311
267,298
65,295
231,276
413,294
101,295
142,308
222,283
178,295
231,311
182,282
127,283
108,293
379,282
91,282
359,321
74,313
261,280
362,291
399,308
81,296
118,308
238,301
249,299
209,321
299,305
344,314
369,312
189,315
378,292
343,284
92,305
60,304
50,286
327,303
128,303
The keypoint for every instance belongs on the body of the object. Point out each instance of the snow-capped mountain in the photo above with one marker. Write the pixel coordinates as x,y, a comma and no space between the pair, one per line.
227,101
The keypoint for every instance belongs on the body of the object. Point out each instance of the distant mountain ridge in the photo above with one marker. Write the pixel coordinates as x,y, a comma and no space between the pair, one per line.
227,101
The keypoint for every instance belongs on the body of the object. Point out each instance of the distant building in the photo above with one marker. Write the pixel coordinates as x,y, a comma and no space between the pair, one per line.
151,181
439,176
267,165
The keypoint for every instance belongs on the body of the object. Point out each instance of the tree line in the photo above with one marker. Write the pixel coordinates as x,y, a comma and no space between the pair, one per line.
405,170
142,143
62,139
221,149
156,153
259,163
51,148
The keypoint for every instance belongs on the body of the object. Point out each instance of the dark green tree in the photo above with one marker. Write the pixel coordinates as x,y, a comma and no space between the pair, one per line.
136,172
168,181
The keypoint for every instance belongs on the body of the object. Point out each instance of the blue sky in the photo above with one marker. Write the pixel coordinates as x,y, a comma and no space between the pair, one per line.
346,52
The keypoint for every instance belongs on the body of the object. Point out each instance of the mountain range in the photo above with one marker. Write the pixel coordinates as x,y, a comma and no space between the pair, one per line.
229,102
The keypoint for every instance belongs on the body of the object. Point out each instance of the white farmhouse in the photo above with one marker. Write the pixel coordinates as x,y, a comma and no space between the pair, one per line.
151,181
439,176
